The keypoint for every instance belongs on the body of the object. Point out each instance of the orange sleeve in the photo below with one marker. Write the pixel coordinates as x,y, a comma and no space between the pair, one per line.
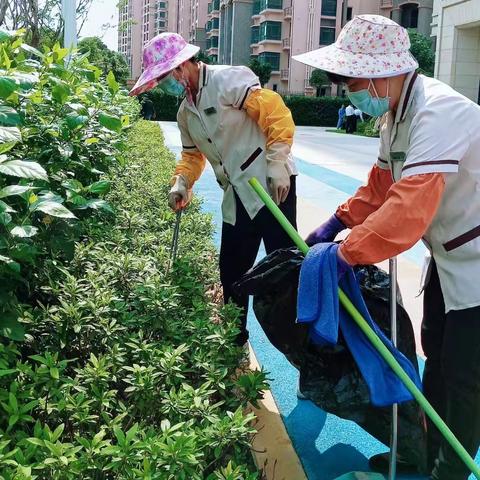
399,223
367,199
191,166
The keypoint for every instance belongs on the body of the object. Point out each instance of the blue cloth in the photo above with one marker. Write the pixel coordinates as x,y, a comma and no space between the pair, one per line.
318,304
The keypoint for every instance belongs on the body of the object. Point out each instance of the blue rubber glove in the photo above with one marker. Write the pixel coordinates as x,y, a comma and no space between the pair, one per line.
342,266
326,232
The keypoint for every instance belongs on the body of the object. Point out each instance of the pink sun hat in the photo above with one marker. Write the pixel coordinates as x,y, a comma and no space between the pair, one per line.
161,55
369,46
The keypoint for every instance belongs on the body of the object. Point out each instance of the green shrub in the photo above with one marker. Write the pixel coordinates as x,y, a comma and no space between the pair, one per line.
60,132
314,111
165,106
129,369
368,128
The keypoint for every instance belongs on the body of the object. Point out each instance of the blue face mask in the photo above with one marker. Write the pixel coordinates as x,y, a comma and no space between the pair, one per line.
373,106
171,87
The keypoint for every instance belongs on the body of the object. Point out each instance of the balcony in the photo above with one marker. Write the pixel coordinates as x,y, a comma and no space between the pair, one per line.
386,4
284,74
286,44
288,12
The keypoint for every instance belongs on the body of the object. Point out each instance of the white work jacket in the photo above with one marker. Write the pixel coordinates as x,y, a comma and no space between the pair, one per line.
219,127
435,130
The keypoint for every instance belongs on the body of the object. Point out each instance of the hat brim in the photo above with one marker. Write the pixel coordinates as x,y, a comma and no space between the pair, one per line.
149,78
357,65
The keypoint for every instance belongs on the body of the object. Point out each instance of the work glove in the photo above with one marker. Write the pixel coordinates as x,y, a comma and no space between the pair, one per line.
179,195
278,175
326,232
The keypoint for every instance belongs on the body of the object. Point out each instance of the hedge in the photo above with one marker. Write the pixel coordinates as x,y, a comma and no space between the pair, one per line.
129,369
313,111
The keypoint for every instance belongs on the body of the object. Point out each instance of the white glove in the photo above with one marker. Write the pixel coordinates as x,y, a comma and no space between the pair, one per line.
179,195
278,174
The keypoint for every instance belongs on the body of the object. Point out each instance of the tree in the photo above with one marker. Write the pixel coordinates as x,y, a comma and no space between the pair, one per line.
318,79
104,58
39,18
262,70
421,48
201,56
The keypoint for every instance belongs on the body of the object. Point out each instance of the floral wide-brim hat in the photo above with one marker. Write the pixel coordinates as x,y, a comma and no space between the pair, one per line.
369,46
161,55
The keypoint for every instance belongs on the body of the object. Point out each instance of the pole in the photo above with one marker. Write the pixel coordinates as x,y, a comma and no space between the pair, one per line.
373,337
69,15
392,264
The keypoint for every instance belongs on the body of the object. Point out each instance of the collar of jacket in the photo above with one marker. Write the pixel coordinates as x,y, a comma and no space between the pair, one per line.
203,77
406,96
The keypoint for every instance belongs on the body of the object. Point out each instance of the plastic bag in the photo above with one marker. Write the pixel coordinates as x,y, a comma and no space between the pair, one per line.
329,375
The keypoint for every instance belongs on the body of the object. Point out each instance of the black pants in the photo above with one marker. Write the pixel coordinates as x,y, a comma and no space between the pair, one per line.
240,244
351,124
451,380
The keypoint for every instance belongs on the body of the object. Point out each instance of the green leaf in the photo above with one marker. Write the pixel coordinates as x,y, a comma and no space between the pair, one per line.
5,35
8,371
36,441
97,204
54,373
72,184
7,87
24,231
110,122
11,328
12,420
9,116
10,134
6,147
14,190
54,209
102,186
23,169
5,218
12,265
25,80
4,207
74,120
32,50
113,86
60,93
120,436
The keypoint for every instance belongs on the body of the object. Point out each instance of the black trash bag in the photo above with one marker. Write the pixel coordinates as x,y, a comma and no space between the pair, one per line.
329,375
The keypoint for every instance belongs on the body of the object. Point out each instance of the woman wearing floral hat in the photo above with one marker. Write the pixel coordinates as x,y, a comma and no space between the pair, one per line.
244,131
425,185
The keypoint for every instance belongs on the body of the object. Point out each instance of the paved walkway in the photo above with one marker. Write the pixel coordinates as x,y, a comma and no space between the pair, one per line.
331,167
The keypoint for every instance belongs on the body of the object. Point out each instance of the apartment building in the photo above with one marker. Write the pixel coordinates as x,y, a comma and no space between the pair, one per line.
232,32
141,20
456,26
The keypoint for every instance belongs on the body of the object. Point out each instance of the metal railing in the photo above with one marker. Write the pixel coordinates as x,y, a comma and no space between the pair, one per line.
284,74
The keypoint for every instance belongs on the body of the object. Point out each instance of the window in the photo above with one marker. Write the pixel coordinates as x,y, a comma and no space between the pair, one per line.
255,34
329,8
270,31
162,5
273,59
274,87
256,7
409,16
215,22
162,14
327,35
349,13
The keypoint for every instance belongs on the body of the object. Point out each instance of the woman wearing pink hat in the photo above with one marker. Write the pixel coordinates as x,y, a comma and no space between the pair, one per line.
244,131
425,185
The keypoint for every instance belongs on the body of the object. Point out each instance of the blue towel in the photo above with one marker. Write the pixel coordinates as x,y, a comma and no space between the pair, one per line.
318,304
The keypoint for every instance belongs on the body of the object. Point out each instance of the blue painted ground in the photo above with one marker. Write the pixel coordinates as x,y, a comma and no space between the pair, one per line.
326,445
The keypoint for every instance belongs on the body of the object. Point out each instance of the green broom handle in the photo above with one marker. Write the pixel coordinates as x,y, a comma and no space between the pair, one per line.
373,337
